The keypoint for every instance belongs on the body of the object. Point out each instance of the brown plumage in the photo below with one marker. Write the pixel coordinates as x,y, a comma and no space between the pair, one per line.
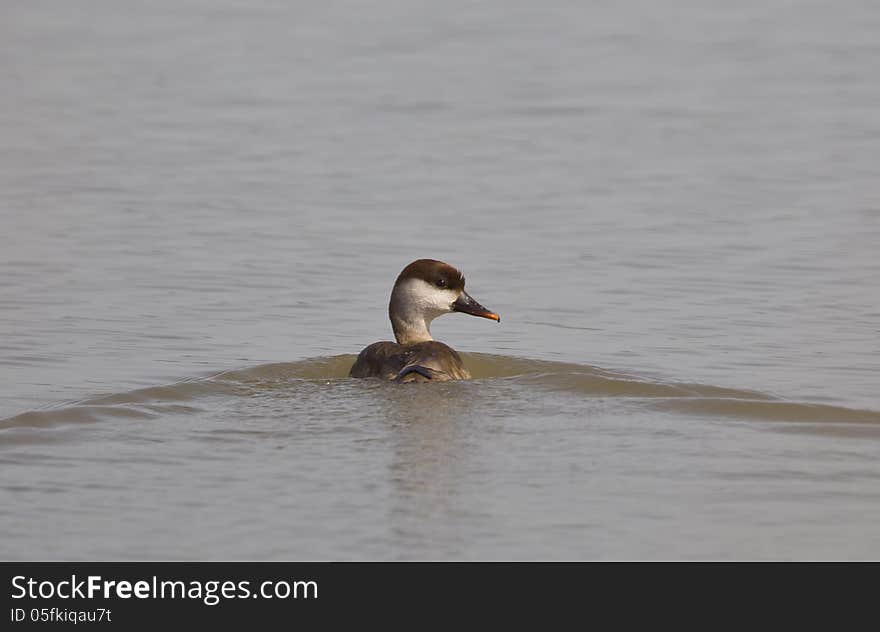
425,289
419,362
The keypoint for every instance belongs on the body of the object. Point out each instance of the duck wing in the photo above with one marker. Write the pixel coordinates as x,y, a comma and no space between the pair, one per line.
432,362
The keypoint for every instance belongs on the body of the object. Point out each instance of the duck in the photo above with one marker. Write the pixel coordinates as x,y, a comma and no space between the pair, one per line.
424,290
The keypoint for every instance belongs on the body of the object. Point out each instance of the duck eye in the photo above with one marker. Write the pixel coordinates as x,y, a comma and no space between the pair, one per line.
441,282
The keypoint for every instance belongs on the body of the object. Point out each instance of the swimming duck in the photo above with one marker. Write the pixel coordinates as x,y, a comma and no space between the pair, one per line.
425,289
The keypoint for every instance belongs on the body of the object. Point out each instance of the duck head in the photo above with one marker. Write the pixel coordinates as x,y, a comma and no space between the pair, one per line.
424,290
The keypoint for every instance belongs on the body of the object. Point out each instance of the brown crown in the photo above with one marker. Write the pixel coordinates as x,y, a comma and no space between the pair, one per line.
435,272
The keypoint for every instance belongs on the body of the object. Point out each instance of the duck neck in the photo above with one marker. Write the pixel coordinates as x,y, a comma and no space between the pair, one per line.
410,326
409,331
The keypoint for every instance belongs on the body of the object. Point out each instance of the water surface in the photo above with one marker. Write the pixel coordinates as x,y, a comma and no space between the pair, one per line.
674,208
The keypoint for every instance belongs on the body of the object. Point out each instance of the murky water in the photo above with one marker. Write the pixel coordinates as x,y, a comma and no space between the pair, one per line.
675,209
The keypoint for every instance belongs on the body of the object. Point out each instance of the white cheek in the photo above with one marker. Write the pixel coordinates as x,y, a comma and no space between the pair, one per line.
443,299
432,299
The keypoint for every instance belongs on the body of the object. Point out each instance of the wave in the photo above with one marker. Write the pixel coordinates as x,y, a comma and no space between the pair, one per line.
577,379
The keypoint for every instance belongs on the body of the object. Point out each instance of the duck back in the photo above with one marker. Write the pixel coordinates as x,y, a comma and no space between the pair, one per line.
429,361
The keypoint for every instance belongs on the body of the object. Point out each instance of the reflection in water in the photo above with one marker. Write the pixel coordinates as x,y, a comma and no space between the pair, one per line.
429,453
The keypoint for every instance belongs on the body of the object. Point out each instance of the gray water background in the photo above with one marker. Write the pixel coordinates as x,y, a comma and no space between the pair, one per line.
682,192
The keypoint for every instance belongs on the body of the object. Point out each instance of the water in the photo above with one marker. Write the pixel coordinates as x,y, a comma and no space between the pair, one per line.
673,207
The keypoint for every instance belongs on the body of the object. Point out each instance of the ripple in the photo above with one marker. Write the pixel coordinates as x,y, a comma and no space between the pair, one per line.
578,380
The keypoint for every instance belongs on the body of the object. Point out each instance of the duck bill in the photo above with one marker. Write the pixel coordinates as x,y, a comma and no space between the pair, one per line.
467,305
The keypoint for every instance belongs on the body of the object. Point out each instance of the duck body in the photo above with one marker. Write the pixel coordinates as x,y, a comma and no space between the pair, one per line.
429,361
425,289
